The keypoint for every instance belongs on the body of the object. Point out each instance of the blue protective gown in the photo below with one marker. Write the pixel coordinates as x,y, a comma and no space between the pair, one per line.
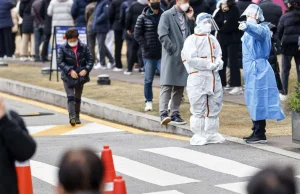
261,92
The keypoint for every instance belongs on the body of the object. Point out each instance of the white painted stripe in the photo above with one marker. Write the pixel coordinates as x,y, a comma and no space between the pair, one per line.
148,173
92,128
44,172
208,161
37,129
166,192
109,186
239,187
22,164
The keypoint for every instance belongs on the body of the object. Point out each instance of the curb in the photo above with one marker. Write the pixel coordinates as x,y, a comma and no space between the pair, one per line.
92,107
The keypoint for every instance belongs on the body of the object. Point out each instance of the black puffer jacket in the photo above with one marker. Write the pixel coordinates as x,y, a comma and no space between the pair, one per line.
15,145
288,33
272,11
124,10
228,24
47,19
135,10
199,6
114,14
243,4
146,35
66,61
25,13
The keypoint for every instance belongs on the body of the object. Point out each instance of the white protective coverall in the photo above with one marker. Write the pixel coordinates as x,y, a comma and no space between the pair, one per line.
202,55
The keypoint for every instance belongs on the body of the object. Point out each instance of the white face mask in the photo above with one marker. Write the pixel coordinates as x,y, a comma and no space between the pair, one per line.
73,44
206,28
184,7
251,20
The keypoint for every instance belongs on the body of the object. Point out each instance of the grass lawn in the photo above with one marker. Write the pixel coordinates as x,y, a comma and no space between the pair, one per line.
234,119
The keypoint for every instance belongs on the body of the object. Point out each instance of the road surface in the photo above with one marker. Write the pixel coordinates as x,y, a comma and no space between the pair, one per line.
150,163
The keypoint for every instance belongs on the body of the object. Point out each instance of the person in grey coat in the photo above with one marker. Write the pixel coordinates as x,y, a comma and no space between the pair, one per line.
174,27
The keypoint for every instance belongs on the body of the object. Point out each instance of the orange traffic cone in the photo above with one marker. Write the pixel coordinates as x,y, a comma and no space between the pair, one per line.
119,186
24,177
109,170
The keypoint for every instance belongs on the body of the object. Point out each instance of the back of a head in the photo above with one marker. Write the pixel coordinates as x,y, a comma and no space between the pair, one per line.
80,171
273,180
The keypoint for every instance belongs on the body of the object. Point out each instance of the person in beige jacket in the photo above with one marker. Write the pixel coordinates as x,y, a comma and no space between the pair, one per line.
15,28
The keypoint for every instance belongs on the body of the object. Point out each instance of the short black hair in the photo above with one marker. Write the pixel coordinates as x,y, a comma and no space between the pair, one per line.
275,180
80,170
72,33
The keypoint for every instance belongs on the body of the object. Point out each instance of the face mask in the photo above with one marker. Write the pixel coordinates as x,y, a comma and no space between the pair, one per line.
184,7
206,28
73,44
155,5
251,21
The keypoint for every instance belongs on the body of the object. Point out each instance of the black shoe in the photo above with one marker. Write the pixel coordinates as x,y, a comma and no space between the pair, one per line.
249,137
165,119
72,120
262,139
176,119
78,122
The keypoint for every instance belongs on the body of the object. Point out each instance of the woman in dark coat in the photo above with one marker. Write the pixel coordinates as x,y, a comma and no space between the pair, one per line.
27,30
76,61
227,18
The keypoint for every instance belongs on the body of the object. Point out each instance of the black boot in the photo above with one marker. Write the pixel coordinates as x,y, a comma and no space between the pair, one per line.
72,120
78,118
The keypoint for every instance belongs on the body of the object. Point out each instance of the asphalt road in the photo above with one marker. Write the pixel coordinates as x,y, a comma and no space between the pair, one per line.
149,162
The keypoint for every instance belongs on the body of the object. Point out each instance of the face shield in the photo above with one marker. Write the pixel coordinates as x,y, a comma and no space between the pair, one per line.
205,24
255,12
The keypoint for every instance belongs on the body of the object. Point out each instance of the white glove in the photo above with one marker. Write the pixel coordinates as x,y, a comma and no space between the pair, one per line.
220,64
243,26
212,66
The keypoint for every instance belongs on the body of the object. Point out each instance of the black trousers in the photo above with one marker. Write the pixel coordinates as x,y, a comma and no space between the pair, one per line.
44,54
259,127
6,42
134,53
286,67
14,35
276,70
230,55
118,48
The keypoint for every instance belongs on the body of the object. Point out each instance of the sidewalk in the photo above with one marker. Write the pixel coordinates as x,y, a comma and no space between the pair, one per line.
136,78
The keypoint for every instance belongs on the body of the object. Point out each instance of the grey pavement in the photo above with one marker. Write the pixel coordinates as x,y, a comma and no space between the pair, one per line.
130,148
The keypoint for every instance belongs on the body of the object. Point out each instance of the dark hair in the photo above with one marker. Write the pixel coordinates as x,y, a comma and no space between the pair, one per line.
295,7
72,33
80,170
230,3
273,180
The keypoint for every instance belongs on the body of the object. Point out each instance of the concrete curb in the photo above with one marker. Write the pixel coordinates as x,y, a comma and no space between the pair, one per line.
92,107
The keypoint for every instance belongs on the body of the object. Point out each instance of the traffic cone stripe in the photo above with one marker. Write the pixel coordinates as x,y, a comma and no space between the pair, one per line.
109,186
19,164
24,177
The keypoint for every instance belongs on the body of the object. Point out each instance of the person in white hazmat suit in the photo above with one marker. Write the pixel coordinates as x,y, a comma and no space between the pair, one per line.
202,58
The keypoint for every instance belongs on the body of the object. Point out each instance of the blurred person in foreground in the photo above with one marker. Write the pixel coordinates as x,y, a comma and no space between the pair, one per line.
81,172
261,92
202,58
273,180
76,61
15,145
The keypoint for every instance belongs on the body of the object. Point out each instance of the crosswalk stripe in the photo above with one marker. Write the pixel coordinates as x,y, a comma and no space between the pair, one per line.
239,187
57,130
37,129
148,173
208,161
92,128
166,192
44,172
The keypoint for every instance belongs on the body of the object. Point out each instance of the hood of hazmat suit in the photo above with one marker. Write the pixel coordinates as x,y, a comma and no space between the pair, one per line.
261,92
202,57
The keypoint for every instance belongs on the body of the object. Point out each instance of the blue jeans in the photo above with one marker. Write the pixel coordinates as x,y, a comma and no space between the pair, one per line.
150,66
38,38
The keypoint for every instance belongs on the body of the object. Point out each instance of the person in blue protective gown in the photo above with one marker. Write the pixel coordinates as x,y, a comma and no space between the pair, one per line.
261,93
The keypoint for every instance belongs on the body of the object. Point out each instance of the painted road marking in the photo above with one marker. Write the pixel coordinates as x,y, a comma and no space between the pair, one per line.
37,129
208,161
57,130
92,128
240,187
148,173
166,192
44,172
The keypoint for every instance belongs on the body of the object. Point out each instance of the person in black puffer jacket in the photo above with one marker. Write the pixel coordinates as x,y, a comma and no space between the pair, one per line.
229,36
134,11
114,18
76,61
78,11
146,35
288,33
27,30
200,6
243,4
47,29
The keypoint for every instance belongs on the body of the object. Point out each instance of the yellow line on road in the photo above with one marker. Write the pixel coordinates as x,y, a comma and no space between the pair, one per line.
57,130
88,118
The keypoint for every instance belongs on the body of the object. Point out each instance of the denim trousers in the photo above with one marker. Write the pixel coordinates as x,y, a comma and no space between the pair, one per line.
150,66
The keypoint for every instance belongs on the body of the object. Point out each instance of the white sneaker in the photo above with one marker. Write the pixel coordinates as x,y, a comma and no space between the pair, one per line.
236,91
127,72
97,66
282,97
31,59
110,65
227,87
117,69
169,106
23,59
148,106
1,58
